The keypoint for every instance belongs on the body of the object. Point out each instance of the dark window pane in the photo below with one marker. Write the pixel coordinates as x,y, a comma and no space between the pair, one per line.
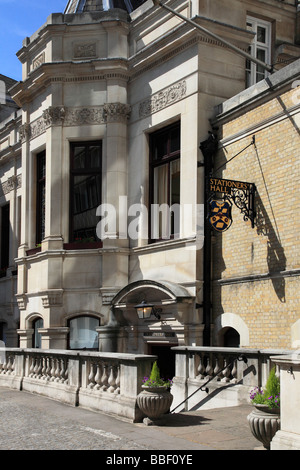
5,229
85,189
261,34
165,186
79,158
41,197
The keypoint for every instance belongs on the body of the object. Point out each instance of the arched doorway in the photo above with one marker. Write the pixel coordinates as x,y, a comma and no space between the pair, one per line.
231,338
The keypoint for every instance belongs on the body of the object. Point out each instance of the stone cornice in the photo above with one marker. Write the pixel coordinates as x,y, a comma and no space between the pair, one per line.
66,72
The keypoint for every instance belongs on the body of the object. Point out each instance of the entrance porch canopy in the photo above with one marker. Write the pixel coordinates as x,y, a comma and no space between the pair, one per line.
155,292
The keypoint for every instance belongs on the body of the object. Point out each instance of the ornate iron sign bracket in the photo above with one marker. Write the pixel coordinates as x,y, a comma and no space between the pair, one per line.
239,193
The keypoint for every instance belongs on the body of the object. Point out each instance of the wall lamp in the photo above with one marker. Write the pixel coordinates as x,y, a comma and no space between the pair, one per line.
145,310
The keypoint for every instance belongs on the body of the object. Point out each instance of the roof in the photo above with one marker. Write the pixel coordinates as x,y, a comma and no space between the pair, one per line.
81,6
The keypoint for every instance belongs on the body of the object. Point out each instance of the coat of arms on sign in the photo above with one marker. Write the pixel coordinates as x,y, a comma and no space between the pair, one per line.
220,215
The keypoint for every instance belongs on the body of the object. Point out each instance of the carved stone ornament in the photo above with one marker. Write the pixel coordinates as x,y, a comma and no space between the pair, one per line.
85,50
61,115
80,116
39,60
54,115
52,299
116,112
13,182
22,301
25,132
163,99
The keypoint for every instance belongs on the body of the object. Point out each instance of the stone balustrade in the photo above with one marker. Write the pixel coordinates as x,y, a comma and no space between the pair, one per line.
235,370
108,382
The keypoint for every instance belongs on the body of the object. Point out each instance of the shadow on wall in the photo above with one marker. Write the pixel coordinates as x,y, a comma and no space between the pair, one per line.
275,253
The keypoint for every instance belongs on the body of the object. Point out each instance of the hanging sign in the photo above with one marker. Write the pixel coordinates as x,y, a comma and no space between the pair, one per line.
239,193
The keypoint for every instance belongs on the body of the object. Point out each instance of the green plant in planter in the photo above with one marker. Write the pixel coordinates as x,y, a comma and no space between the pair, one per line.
270,396
155,380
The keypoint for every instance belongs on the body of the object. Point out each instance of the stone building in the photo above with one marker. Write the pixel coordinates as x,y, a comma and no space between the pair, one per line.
114,101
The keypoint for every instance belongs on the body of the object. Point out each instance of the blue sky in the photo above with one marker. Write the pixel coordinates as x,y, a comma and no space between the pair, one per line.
18,19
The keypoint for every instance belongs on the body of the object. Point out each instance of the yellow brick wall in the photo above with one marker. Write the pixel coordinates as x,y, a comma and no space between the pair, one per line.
269,253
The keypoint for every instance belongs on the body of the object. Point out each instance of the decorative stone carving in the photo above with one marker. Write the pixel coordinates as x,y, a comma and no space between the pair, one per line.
40,59
54,115
25,132
85,51
52,299
37,128
116,112
13,182
163,99
22,301
79,116
58,115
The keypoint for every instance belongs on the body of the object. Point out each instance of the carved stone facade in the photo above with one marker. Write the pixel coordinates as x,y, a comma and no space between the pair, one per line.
100,87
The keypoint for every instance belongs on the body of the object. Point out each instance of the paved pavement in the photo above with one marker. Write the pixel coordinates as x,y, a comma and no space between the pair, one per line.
32,422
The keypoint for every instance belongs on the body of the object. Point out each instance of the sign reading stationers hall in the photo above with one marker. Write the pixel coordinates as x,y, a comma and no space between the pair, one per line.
218,185
239,193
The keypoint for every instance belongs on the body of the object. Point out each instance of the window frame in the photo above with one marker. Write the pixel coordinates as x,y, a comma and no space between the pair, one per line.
94,317
40,197
167,159
5,237
251,67
93,172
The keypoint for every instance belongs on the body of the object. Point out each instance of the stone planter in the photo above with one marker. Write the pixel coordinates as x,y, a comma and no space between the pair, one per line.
264,422
154,402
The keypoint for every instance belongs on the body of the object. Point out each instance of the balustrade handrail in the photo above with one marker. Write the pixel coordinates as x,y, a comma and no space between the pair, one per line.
203,387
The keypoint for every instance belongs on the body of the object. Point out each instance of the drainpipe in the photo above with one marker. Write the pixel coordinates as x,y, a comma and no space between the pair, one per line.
208,148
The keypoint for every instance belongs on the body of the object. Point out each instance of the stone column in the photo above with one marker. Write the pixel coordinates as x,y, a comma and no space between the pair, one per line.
288,437
108,338
53,118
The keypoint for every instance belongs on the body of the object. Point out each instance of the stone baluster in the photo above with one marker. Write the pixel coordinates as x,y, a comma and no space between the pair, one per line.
111,380
227,371
32,368
218,367
104,378
40,367
118,381
48,368
98,377
209,367
57,370
62,371
52,371
201,367
66,372
44,368
9,365
91,378
234,373
4,366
